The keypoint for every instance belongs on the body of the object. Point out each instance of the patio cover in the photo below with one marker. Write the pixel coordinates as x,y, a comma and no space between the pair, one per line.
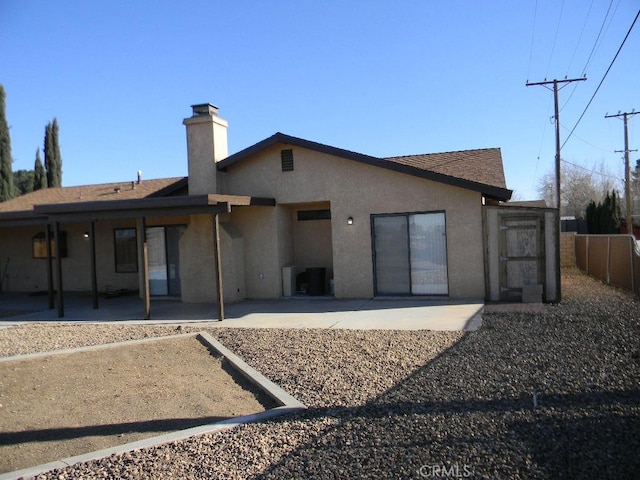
140,209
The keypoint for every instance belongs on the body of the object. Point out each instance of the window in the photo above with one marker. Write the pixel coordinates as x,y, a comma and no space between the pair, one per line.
126,250
40,245
410,254
286,157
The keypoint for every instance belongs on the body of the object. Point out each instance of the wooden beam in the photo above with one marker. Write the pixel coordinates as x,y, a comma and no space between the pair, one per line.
56,237
217,259
94,275
144,250
50,287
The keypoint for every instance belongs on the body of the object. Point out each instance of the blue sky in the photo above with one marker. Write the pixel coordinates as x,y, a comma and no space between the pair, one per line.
377,77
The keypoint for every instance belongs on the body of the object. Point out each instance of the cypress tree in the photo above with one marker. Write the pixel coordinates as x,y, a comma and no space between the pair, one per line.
52,157
49,157
40,176
57,172
6,169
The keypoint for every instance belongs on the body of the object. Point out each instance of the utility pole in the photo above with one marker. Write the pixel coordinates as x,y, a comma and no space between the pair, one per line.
555,84
627,168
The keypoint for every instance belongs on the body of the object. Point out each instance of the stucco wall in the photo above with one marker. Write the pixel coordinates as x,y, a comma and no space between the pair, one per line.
197,266
357,190
262,254
28,274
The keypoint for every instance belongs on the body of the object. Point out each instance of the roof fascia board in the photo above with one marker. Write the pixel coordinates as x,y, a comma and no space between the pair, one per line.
193,202
21,218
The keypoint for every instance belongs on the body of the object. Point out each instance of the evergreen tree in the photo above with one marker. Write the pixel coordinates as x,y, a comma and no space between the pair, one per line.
23,181
6,169
39,176
604,217
52,157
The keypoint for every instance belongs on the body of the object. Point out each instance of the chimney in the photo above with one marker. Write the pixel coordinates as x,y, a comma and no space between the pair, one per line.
139,176
206,145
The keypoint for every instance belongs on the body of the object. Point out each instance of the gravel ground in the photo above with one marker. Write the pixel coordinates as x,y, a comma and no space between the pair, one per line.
543,396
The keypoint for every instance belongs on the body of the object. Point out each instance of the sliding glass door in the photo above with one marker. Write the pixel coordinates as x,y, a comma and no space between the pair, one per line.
164,259
410,254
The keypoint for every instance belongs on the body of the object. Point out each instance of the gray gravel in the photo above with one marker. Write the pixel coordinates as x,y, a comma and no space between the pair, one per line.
391,404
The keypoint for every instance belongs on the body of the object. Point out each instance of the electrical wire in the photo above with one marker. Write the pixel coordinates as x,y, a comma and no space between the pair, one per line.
579,40
533,31
584,70
589,170
544,131
555,38
574,55
608,150
603,78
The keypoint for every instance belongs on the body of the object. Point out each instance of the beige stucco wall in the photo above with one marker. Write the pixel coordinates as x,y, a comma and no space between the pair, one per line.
357,190
28,274
197,266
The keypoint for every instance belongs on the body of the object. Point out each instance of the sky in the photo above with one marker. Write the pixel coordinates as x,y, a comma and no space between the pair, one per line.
376,77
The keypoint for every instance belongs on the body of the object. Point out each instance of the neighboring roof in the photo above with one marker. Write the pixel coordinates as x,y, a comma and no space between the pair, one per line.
91,193
477,170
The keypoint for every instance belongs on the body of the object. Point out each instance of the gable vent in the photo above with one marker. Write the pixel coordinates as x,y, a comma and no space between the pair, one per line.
286,156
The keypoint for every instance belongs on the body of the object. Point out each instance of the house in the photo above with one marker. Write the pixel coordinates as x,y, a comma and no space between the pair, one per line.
283,215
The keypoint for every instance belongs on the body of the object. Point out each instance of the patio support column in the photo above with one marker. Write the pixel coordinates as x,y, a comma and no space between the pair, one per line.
56,238
50,287
142,235
217,259
94,277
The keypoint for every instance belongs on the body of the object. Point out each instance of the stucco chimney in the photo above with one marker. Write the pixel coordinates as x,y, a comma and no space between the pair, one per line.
206,144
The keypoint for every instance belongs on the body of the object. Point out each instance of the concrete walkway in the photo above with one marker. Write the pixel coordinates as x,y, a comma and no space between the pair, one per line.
297,312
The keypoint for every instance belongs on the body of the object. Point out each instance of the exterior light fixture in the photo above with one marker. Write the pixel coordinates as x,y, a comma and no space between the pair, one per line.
350,221
86,235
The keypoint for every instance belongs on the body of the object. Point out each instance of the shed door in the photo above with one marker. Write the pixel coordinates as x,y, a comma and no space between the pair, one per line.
521,255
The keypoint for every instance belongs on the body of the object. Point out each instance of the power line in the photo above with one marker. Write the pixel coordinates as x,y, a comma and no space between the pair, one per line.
533,31
578,44
603,78
584,70
555,38
589,170
557,84
608,150
627,172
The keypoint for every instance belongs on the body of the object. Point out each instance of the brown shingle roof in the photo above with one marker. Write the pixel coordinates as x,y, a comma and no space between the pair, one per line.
482,166
92,193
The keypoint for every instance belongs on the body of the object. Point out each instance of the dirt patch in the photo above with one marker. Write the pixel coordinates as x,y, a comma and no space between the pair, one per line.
68,404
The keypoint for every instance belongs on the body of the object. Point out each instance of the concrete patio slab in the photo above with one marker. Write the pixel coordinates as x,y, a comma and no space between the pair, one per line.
305,312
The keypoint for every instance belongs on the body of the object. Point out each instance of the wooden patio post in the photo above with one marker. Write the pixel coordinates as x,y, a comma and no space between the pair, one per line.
56,237
94,277
50,287
217,260
146,298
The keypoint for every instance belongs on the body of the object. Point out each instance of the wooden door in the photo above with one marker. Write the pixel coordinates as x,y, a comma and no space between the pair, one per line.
521,254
